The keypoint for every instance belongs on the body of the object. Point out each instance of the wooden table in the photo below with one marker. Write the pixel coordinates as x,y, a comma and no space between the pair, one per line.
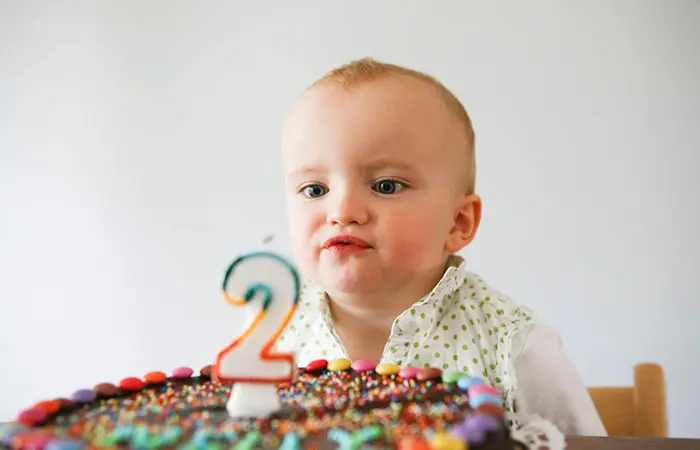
620,443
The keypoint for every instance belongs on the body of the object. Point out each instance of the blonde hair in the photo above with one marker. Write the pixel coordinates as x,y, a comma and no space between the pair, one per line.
367,69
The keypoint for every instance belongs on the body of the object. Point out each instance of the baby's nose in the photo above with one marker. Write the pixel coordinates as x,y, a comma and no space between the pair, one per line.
348,208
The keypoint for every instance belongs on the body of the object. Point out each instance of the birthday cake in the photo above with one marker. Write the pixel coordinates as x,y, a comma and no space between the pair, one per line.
252,397
336,404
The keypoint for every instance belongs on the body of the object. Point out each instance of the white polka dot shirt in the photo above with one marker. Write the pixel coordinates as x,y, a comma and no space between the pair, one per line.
465,325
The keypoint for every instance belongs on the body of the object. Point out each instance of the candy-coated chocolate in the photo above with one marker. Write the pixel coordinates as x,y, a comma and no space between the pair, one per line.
50,406
466,382
131,384
316,365
475,428
182,372
387,369
206,371
430,373
479,399
413,444
451,376
31,417
482,421
291,442
155,377
83,396
483,389
490,409
63,444
106,390
409,372
340,364
447,441
472,436
363,365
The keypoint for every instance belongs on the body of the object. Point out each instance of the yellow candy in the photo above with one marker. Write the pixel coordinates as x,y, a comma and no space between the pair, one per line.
387,369
446,441
338,365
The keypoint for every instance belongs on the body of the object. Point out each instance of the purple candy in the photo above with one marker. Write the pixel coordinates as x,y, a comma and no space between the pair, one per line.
475,428
83,396
482,421
473,436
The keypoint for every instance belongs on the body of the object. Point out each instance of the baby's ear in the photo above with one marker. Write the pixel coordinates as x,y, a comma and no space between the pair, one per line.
466,222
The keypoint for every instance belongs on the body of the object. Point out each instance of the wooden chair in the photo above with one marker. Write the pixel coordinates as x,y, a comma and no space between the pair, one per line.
638,411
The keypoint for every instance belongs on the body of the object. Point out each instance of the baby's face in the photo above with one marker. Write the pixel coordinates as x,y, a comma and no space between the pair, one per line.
380,166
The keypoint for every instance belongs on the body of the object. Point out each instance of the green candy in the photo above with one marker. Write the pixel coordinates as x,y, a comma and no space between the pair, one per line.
370,433
451,377
345,440
248,441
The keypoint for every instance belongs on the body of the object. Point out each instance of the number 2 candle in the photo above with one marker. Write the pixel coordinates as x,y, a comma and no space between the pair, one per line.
266,287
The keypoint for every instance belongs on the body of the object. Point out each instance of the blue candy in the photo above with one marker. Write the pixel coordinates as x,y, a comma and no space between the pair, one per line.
291,442
480,399
466,382
63,444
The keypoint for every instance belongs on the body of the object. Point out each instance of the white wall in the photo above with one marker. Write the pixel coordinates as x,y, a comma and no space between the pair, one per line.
124,189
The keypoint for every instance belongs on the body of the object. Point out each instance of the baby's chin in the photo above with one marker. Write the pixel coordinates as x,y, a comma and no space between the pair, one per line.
349,281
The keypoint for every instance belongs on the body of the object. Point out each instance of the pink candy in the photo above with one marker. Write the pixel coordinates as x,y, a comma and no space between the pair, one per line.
483,389
182,372
408,372
31,417
363,365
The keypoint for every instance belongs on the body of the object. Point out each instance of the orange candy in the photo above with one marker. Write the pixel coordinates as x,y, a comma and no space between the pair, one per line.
155,377
48,406
413,444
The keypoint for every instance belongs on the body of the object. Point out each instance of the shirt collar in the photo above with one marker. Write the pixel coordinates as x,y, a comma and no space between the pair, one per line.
432,306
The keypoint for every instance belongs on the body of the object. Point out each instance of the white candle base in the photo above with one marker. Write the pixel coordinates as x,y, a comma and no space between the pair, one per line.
253,400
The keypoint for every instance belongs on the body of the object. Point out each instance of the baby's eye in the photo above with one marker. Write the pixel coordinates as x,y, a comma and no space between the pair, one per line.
314,190
388,186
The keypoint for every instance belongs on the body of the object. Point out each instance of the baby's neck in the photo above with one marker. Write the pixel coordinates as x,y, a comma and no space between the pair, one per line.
364,322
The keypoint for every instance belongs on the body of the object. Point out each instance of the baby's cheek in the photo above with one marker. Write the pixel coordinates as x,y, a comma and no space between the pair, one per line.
305,231
415,242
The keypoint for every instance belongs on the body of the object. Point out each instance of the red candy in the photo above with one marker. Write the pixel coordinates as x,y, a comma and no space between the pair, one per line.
317,365
131,384
31,417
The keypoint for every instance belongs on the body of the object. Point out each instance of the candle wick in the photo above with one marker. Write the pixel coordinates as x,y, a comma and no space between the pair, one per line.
269,238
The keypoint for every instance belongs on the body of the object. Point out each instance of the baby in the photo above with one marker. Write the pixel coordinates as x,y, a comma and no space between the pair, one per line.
380,176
